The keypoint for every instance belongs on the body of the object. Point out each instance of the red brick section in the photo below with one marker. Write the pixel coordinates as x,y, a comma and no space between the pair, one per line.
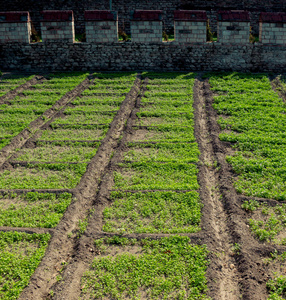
15,17
190,15
273,17
147,15
233,16
57,15
100,15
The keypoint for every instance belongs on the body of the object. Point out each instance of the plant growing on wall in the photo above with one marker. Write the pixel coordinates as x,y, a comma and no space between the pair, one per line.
209,32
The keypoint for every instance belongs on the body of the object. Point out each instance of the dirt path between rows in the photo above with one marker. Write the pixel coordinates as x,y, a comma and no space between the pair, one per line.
83,251
13,93
251,277
222,273
63,244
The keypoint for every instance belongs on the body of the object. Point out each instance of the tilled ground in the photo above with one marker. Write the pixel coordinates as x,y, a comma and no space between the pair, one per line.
235,270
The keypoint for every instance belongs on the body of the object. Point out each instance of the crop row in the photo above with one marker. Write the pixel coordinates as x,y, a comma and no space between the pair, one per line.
252,118
10,82
158,164
58,174
169,268
51,166
18,113
20,254
255,124
149,196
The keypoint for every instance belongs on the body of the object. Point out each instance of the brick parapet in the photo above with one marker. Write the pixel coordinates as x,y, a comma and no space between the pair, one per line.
15,26
146,26
101,26
233,27
190,26
57,25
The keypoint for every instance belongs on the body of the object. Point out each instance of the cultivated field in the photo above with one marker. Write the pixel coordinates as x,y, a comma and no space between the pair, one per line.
143,186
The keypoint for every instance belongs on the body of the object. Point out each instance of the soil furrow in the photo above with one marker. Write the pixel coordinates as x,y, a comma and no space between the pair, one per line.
77,125
278,88
271,202
155,161
221,272
196,238
11,94
83,250
64,141
28,230
62,244
251,276
157,127
25,163
160,142
149,191
21,191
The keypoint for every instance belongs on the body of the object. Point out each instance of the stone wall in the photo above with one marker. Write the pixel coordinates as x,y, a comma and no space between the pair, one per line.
146,31
125,6
41,57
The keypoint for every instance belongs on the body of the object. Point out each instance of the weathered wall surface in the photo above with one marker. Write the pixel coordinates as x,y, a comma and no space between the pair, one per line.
128,56
125,6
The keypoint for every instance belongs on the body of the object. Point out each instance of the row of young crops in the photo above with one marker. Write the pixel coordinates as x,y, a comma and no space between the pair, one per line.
57,159
154,191
153,187
253,120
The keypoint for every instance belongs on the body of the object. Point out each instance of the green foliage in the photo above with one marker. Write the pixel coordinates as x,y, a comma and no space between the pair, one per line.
11,82
158,212
20,254
146,176
163,152
277,287
251,205
269,221
210,35
71,134
169,268
256,126
34,209
42,176
82,225
55,153
30,109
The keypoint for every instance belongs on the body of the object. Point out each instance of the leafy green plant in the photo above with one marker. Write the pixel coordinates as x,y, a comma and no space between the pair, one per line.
236,248
277,287
169,266
210,35
33,209
20,254
156,212
82,225
255,125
